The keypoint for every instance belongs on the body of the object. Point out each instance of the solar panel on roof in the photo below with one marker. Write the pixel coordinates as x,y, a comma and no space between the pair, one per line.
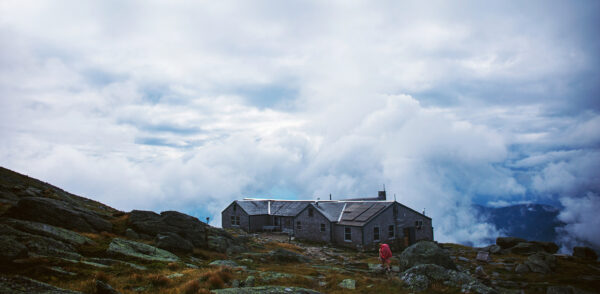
373,210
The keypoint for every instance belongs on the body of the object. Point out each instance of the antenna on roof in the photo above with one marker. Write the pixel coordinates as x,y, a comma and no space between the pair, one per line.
423,211
394,197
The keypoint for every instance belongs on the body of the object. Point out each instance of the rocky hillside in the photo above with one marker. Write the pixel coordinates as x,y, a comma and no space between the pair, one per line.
52,241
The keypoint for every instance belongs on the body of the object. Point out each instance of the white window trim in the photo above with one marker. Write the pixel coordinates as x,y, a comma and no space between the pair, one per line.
346,240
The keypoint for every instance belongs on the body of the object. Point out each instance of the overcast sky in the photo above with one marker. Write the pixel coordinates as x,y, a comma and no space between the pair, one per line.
177,106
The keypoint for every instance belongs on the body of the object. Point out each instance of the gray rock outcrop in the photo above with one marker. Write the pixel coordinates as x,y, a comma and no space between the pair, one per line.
266,289
24,285
420,277
173,242
139,250
58,213
508,242
425,252
585,253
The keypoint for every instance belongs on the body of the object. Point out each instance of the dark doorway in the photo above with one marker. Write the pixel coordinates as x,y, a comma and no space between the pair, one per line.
409,236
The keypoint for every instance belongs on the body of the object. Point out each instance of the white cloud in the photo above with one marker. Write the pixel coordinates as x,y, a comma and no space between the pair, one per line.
149,105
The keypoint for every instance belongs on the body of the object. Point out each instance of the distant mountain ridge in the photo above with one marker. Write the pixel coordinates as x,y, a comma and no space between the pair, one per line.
528,221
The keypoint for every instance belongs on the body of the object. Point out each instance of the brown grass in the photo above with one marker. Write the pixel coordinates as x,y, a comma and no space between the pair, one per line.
217,278
173,266
158,280
207,254
292,247
191,287
120,224
101,276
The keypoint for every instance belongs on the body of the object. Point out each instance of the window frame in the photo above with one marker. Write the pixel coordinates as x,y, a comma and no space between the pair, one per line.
378,231
391,232
322,228
299,225
347,232
311,212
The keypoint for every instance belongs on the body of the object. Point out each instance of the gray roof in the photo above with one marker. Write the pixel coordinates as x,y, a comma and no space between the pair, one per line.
331,210
253,207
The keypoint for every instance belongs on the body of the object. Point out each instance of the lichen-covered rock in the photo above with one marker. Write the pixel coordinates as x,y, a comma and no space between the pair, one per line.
24,285
541,262
419,278
266,289
249,282
348,284
139,250
508,242
271,276
526,248
424,252
49,231
129,233
522,268
229,263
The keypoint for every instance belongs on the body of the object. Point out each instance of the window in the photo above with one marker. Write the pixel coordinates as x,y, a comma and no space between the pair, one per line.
235,207
376,234
288,222
311,213
347,234
395,211
322,227
299,225
235,220
419,224
391,232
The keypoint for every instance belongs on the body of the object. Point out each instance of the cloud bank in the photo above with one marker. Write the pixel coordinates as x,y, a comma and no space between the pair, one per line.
153,105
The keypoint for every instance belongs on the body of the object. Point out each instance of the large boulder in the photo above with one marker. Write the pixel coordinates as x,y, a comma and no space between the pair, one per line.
420,277
198,233
173,242
549,247
541,262
525,248
58,213
425,252
139,250
585,253
508,242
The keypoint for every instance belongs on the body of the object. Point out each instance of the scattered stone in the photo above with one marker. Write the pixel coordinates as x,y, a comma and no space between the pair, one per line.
585,253
104,288
559,290
229,263
425,252
235,284
191,266
249,282
265,289
139,250
271,276
348,284
175,275
463,259
494,249
109,262
508,242
24,285
480,272
323,284
173,243
60,270
483,256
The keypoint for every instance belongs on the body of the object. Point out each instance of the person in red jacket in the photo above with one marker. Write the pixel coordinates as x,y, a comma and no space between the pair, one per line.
385,255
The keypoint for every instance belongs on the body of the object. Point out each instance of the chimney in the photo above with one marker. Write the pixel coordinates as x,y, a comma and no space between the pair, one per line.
329,196
381,196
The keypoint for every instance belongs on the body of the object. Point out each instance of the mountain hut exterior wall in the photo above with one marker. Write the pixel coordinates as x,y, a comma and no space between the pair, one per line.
407,220
311,225
257,222
381,221
235,211
356,236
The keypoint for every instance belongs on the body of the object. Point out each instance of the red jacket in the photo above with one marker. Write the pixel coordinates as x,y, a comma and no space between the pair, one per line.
384,251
